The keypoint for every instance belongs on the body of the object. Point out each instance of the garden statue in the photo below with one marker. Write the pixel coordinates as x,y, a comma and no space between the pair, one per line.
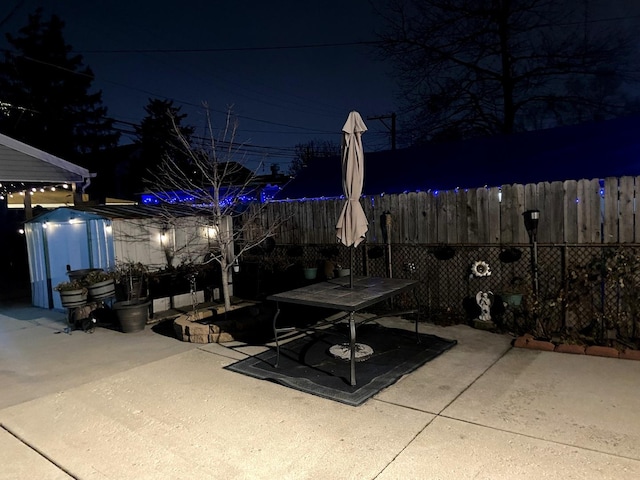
484,301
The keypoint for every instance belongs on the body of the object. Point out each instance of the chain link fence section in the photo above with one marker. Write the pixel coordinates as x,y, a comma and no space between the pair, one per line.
599,307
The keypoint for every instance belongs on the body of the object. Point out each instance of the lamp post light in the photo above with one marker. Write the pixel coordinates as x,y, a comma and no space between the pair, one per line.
531,218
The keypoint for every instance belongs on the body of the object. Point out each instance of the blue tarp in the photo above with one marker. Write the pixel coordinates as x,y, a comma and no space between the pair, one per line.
593,150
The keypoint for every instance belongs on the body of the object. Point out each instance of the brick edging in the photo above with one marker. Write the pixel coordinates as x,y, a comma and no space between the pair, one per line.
529,341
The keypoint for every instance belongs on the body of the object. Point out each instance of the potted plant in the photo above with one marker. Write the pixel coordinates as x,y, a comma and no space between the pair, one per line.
132,313
72,293
311,271
100,284
131,278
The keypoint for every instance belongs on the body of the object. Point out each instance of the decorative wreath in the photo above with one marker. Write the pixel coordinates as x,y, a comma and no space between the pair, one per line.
480,269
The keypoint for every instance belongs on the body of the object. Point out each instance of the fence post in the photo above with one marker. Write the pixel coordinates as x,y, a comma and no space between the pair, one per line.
564,252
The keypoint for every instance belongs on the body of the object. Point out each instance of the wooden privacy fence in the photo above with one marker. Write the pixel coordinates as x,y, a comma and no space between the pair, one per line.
573,211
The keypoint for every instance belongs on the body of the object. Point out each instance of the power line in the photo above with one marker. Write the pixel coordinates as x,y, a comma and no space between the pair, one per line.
231,49
183,102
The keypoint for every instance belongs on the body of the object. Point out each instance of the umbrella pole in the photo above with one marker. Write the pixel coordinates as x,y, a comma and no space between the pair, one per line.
351,267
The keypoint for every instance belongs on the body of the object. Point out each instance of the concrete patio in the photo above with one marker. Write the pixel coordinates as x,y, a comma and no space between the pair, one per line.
144,405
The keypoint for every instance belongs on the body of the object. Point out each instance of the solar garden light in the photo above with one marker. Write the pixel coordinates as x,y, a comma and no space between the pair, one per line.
531,218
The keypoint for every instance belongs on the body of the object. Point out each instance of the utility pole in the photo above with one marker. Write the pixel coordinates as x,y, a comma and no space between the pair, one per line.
391,128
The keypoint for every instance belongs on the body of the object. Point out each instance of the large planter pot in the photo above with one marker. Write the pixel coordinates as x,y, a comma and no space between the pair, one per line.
104,289
132,315
73,298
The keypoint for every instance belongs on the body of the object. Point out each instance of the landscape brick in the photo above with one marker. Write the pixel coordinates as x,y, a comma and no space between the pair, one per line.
540,345
528,341
221,337
521,342
199,338
602,351
630,354
568,348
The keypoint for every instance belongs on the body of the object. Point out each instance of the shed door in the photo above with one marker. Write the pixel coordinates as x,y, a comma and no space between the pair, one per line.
67,244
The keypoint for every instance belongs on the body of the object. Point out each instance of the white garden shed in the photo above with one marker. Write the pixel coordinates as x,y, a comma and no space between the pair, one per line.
105,236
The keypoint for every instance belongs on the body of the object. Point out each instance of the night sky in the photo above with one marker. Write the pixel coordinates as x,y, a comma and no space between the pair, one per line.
282,96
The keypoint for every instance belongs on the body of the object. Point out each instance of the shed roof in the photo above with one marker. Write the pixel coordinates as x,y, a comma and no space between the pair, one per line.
113,212
138,211
64,214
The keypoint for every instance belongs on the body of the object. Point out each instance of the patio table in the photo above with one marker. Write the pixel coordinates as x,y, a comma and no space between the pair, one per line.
337,294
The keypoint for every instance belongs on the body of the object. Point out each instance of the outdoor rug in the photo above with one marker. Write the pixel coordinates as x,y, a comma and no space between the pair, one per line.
307,365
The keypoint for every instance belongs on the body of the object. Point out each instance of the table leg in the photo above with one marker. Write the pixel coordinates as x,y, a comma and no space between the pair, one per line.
352,346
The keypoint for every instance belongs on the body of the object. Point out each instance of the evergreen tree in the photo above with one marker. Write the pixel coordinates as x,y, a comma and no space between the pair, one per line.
158,139
45,97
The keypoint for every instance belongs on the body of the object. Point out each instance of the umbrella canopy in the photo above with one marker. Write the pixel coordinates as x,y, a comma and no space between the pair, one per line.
352,223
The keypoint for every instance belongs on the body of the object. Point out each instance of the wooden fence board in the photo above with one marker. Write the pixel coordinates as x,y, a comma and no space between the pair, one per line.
413,217
589,211
471,196
441,215
595,210
421,217
610,222
381,207
636,219
511,207
531,200
451,209
385,206
544,224
432,218
373,211
506,215
555,207
482,214
462,217
625,211
318,223
404,214
570,227
494,215
520,232
296,212
397,235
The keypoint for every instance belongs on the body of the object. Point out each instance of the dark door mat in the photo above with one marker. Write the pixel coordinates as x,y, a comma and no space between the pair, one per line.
307,365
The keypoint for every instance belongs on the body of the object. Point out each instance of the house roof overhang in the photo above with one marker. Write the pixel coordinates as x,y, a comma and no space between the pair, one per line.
23,163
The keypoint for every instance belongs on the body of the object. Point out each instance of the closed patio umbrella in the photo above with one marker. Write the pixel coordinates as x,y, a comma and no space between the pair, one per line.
352,223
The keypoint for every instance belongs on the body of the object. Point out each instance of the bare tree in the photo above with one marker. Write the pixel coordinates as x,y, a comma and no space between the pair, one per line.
479,67
216,183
